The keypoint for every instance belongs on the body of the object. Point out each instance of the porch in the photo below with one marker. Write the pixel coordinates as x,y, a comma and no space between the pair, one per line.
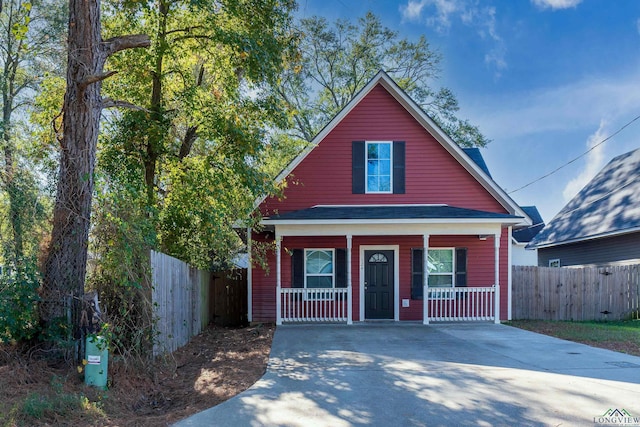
346,264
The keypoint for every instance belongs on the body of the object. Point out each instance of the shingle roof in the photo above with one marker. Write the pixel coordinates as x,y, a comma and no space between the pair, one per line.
476,156
609,204
524,235
388,212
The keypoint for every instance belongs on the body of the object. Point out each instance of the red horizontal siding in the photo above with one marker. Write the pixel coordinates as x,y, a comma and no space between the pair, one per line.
480,265
432,174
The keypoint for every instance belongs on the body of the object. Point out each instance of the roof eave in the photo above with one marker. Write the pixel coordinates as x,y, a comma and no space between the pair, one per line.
584,239
502,221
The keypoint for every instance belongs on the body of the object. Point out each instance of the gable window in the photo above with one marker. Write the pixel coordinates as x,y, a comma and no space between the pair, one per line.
378,167
379,161
318,268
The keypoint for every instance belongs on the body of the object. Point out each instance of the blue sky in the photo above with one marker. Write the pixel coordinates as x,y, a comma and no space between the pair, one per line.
545,80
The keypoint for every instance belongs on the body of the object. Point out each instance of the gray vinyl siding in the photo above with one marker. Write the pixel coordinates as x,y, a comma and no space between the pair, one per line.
593,252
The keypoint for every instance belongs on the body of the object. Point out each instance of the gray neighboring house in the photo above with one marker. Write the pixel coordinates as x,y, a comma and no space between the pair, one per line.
520,255
601,224
520,238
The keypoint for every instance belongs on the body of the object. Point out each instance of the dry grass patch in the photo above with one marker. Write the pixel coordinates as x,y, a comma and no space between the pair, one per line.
215,366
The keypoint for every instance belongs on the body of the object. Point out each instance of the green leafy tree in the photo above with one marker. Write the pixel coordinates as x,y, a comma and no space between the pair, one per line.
338,59
30,34
196,146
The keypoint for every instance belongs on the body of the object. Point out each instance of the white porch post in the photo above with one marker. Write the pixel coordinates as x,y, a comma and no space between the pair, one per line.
278,281
496,240
425,279
349,287
249,278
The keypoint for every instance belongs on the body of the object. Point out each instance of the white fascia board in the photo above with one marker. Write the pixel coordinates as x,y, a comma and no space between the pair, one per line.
515,242
387,229
584,239
367,222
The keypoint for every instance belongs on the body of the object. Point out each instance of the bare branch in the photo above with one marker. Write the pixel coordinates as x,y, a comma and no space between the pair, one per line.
116,103
132,41
95,78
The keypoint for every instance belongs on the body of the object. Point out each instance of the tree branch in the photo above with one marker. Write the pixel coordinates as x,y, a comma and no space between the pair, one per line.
95,78
116,103
132,41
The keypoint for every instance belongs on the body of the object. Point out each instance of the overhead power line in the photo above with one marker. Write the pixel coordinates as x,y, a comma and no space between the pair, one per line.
577,158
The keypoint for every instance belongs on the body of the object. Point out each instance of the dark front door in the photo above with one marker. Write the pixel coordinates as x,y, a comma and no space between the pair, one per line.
378,285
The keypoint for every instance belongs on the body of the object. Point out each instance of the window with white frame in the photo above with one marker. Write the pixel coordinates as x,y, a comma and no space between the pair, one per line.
441,271
554,262
318,268
379,167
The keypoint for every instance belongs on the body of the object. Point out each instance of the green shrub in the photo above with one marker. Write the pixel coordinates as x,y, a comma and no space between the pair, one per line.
18,298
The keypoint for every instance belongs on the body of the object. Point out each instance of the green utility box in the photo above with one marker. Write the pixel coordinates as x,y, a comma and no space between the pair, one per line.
95,372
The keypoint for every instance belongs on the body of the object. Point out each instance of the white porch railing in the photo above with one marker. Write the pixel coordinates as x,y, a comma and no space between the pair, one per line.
314,305
443,304
463,304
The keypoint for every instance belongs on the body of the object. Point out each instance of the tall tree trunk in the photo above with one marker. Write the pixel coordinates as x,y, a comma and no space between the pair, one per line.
65,266
154,139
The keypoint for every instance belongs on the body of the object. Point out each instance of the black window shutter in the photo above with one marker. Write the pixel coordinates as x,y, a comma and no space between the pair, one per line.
341,268
358,167
398,167
416,273
461,267
297,268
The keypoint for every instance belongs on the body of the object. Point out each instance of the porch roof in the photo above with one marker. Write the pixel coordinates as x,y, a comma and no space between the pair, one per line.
389,213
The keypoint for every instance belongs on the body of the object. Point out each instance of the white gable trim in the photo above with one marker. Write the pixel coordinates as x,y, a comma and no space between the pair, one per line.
425,121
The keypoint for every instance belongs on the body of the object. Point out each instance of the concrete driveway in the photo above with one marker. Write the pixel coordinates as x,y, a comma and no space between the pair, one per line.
414,375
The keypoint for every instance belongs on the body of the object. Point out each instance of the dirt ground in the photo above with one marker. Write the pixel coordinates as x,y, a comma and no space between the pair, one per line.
213,367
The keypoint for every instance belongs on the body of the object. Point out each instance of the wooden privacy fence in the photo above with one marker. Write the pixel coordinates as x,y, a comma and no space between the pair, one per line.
577,294
180,302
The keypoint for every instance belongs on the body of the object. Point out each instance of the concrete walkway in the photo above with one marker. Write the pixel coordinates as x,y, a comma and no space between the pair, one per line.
415,375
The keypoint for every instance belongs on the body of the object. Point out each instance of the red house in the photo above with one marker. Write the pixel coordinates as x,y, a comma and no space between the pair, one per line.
385,217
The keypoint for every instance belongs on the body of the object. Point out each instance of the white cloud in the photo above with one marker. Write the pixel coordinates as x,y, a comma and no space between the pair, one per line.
483,19
443,11
413,10
556,4
565,108
594,162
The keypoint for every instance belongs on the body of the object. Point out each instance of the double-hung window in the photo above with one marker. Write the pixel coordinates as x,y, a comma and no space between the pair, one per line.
441,264
379,167
447,269
319,271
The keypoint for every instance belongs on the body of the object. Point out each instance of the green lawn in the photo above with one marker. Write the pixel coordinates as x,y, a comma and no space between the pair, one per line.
622,336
